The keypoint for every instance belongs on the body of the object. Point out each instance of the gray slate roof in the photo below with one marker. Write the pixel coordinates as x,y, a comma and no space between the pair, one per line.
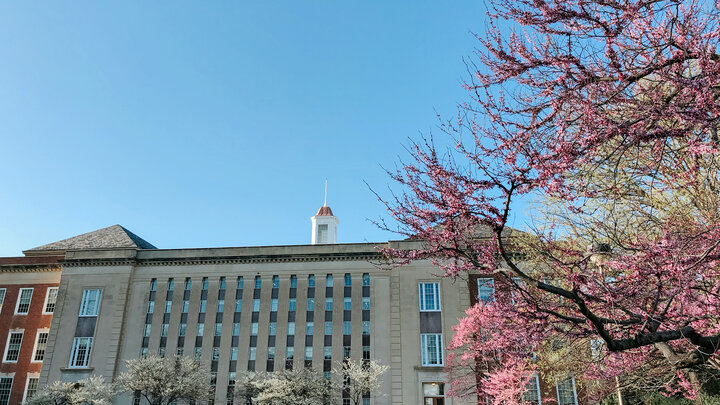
106,238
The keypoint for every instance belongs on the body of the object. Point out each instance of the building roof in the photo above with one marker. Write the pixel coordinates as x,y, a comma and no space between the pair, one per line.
111,237
324,211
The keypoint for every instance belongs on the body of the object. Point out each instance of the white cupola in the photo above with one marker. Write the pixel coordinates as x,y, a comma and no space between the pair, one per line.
324,224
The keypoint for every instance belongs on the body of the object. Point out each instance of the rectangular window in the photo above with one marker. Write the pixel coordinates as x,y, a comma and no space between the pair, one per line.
238,305
185,306
2,297
40,346
273,305
31,387
366,280
429,297
204,283
271,353
151,307
80,353
236,329
161,352
258,282
366,327
198,353
203,306
90,303
486,289
240,283
311,304
532,393
233,353
308,353
293,281
328,328
143,352
348,280
153,284
322,233
252,353
216,353
275,282
291,328
292,306
433,393
329,280
221,306
222,283
347,327
146,331
566,392
289,353
5,387
309,329
347,303
431,347
327,352
12,349
23,304
200,329
311,280
171,284
168,307
272,331
182,329
254,329
366,303
328,304
188,283
256,305
50,300
346,352
218,329
366,352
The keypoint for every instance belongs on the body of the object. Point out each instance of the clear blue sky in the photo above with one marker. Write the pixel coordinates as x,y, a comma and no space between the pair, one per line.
215,123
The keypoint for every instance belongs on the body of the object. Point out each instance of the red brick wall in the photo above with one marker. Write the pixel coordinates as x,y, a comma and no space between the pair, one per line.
31,322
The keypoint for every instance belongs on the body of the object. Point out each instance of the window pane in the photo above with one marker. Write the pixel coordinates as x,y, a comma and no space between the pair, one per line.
90,302
24,300
486,289
13,346
51,299
329,280
80,354
328,304
40,346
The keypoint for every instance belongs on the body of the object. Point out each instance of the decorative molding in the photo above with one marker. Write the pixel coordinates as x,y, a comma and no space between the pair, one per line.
20,268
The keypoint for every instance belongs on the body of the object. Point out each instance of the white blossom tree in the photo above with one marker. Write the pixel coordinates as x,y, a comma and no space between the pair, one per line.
293,387
91,391
162,381
360,377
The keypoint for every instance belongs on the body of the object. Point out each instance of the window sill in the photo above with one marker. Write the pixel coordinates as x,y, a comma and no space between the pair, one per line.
76,369
432,368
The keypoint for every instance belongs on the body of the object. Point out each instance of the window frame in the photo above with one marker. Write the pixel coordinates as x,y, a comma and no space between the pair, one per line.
82,312
3,294
422,293
537,390
425,354
12,381
574,389
47,298
11,332
72,363
35,346
492,283
19,300
28,377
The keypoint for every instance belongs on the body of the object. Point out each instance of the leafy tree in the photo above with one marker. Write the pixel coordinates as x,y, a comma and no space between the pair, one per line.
607,113
91,391
162,381
286,387
360,377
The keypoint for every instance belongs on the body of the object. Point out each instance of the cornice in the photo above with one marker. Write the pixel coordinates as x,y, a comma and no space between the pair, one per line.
28,268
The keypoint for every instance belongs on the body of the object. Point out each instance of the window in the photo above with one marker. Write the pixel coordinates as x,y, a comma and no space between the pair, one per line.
365,401
311,280
23,304
182,329
429,297
204,283
236,329
30,388
291,328
293,305
293,281
203,306
200,329
146,332
329,280
486,289
50,300
366,327
532,395
366,280
222,283
327,353
161,352
432,349
348,280
309,328
366,303
311,304
221,306
433,393
238,305
258,282
188,283
233,353
12,349
198,353
275,282
273,305
271,353
240,283
366,352
40,346
151,307
252,353
143,352
216,353
5,386
186,306
254,329
566,392
347,303
218,329
171,284
346,352
272,329
256,305
80,353
328,304
328,328
168,306
347,327
308,353
153,284
322,233
2,297
90,302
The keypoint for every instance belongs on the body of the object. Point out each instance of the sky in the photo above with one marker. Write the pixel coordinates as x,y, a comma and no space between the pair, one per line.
216,123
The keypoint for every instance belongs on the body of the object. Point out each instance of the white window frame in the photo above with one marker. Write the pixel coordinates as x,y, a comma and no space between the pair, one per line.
7,344
74,349
27,384
422,286
424,354
19,299
83,302
574,388
3,293
35,346
484,280
537,389
11,376
47,297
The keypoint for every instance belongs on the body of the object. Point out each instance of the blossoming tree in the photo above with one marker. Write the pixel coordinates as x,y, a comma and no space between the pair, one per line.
607,112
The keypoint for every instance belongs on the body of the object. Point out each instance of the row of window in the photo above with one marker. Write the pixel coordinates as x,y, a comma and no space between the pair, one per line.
6,385
22,307
429,293
329,282
14,342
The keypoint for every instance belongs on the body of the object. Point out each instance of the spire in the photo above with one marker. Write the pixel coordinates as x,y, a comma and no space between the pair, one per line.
325,201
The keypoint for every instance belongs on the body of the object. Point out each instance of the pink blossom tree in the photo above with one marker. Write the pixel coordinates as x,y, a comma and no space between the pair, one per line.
607,113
